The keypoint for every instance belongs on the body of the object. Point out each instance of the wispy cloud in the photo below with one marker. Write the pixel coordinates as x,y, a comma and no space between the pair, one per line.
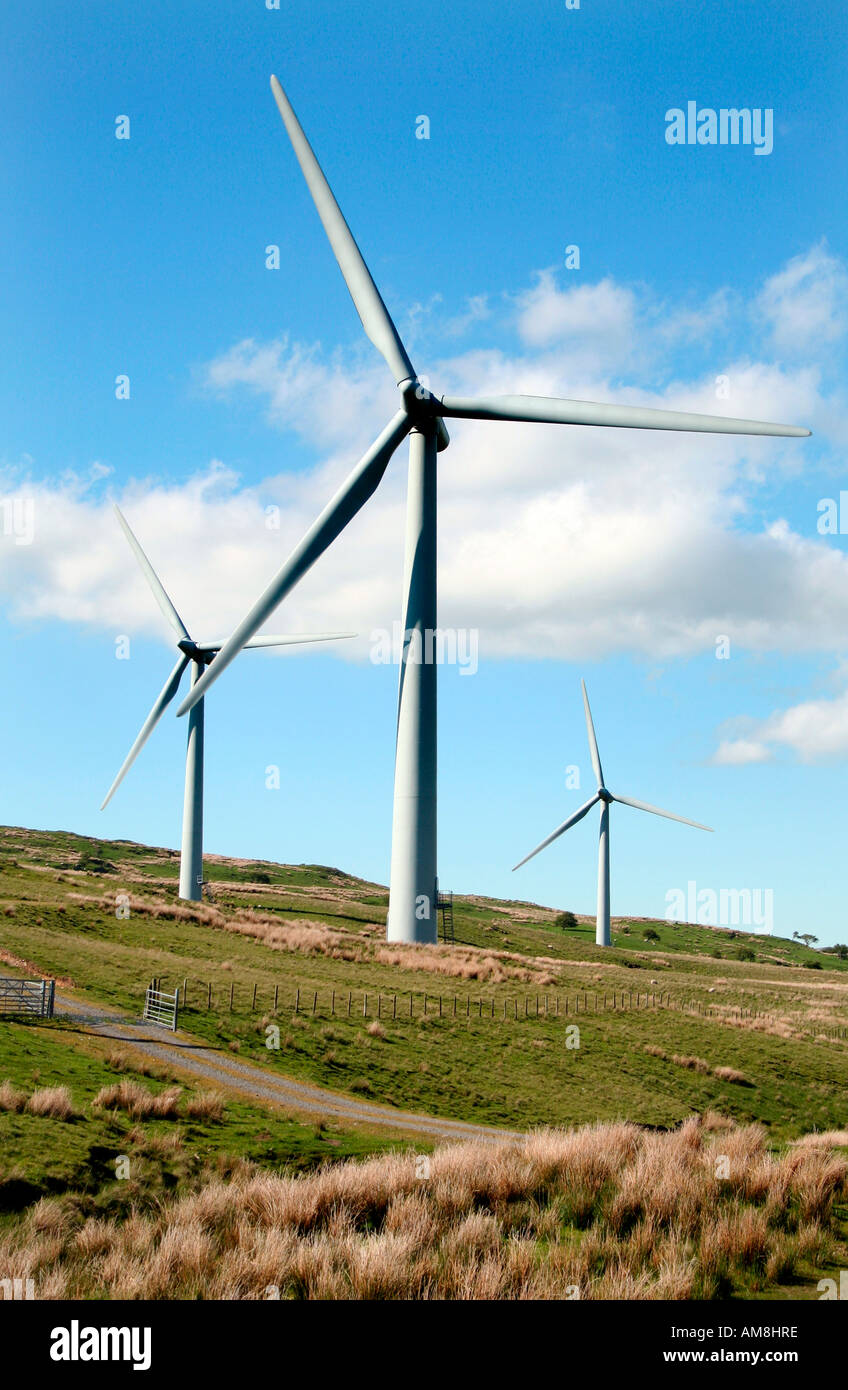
805,305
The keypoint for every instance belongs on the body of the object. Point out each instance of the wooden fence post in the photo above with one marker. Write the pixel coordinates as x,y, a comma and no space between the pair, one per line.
209,997
314,1001
394,1006
253,1001
365,1006
349,996
232,988
185,994
297,1000
276,994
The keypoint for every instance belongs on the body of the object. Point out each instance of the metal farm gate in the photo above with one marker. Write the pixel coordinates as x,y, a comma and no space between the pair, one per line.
160,1007
33,997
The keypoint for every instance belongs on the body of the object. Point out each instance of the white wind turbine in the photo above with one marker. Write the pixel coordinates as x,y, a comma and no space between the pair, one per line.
200,654
605,797
412,892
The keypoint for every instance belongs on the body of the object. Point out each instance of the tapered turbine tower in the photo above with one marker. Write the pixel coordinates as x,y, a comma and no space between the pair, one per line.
199,654
605,798
421,415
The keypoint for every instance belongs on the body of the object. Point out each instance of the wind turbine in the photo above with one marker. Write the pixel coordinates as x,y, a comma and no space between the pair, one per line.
412,892
606,798
200,654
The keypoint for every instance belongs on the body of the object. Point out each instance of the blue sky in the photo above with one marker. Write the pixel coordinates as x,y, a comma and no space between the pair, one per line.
623,559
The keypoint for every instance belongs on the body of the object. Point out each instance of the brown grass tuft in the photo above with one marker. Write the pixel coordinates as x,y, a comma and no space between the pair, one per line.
205,1105
11,1098
53,1101
138,1102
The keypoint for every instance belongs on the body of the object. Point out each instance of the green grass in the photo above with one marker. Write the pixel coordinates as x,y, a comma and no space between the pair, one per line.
43,1156
514,1073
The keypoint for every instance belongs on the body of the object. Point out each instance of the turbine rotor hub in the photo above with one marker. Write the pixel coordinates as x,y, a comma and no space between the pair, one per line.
422,407
189,648
605,796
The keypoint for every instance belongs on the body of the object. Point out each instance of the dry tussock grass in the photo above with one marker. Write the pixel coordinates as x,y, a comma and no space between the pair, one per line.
316,938
610,1211
738,1078
139,1103
698,1064
829,1139
53,1101
206,1105
11,1098
692,1063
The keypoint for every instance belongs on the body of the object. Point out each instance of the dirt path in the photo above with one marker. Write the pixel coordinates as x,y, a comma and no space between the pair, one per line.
258,1084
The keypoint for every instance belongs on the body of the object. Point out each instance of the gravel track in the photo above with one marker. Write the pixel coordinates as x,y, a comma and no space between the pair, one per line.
256,1083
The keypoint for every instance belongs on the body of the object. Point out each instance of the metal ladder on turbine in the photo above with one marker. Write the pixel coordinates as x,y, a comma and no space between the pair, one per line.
444,905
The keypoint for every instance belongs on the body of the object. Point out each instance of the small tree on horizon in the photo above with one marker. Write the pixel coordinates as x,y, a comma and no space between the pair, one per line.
566,921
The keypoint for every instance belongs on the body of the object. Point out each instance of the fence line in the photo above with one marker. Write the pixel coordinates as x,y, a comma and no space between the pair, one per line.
423,1004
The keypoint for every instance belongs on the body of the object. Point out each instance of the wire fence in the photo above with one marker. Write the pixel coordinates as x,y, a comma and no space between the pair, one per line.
196,996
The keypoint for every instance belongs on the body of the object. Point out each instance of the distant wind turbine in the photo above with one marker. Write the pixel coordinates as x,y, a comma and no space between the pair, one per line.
412,891
200,653
602,929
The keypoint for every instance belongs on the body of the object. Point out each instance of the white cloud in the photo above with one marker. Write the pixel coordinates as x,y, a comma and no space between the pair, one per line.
553,541
806,303
600,313
813,730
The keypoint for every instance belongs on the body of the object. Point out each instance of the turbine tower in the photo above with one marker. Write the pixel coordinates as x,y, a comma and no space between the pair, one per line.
412,891
606,798
200,654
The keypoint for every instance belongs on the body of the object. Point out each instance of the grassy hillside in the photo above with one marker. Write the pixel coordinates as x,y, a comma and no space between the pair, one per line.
766,1051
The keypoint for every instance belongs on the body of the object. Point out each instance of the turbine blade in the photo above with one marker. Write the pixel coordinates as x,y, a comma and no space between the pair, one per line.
548,410
655,811
593,742
560,830
279,641
164,698
373,313
351,496
153,580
